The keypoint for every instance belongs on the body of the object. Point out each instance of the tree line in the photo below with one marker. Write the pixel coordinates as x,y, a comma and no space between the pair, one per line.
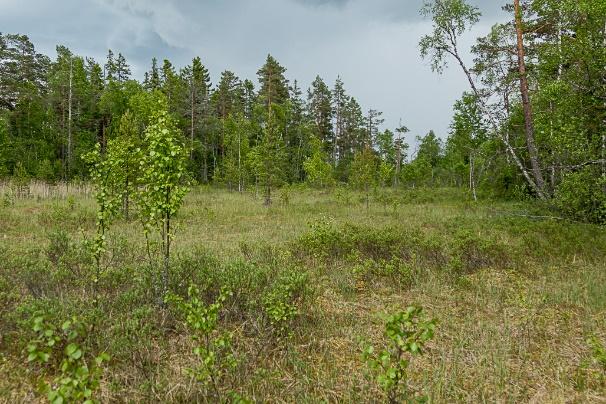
531,125
52,112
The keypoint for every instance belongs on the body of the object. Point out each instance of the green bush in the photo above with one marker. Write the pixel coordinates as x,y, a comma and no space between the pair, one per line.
582,196
471,252
58,350
283,299
407,332
395,270
213,347
268,285
59,243
325,240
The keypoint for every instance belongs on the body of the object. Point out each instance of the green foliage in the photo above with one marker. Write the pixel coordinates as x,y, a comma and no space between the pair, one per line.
326,240
237,133
4,145
77,381
213,348
162,182
268,157
471,252
46,172
285,193
407,333
318,170
282,301
364,172
395,270
451,18
581,196
59,244
598,352
386,171
162,171
105,175
124,155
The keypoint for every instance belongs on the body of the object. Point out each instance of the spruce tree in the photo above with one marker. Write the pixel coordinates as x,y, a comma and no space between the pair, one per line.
319,104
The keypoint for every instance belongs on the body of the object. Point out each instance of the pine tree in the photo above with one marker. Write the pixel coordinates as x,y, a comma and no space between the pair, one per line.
197,79
339,103
373,120
297,133
249,98
319,104
69,95
173,87
268,157
227,97
274,86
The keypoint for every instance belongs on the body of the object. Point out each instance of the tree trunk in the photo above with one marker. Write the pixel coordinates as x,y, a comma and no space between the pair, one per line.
528,119
165,269
604,128
472,183
69,121
267,195
127,198
240,185
396,177
191,129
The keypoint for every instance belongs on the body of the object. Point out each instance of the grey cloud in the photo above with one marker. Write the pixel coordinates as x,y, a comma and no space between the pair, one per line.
323,2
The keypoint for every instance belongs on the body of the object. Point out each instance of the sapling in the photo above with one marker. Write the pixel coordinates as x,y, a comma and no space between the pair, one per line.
317,168
123,151
364,172
162,183
108,195
212,348
407,333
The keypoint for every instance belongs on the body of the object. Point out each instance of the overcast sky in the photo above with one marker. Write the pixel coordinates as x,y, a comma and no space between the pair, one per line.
371,44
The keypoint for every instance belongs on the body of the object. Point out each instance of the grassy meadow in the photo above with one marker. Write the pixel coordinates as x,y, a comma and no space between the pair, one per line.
516,296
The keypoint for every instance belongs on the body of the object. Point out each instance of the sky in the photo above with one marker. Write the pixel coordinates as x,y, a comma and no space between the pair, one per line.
371,44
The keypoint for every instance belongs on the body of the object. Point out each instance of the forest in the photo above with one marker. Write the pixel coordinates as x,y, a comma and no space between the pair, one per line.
170,239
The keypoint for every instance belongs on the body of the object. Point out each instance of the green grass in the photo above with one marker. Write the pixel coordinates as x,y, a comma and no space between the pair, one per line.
515,297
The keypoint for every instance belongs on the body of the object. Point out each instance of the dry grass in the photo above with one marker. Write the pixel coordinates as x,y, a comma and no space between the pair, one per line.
514,332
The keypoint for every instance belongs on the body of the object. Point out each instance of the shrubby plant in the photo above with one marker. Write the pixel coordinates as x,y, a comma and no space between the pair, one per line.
364,172
407,333
213,348
281,302
598,352
61,350
317,168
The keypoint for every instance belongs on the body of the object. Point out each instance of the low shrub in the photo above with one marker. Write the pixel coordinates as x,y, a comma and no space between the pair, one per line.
59,351
407,332
471,252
